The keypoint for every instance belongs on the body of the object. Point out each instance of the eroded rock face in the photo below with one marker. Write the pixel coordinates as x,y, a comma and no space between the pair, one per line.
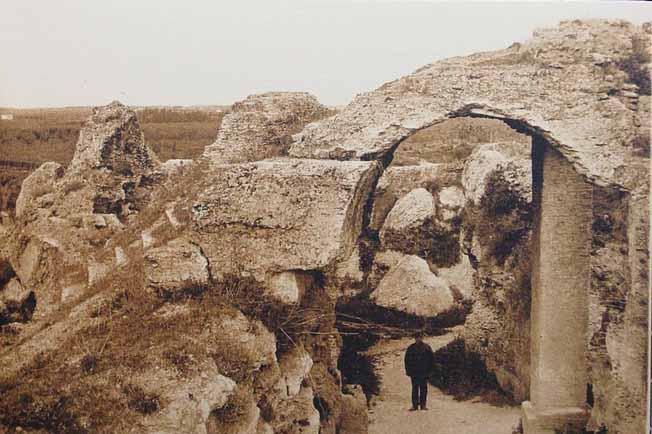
618,301
274,216
209,358
65,216
497,227
38,189
348,277
411,287
295,366
112,139
261,126
497,235
209,392
177,266
111,172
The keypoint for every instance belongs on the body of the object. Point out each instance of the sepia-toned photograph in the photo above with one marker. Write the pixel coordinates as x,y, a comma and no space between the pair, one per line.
325,217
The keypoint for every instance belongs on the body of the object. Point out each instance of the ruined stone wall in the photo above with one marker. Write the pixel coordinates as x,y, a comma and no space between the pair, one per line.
619,304
497,225
498,326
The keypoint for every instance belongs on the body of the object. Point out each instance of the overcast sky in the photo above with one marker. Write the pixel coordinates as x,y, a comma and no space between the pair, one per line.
186,52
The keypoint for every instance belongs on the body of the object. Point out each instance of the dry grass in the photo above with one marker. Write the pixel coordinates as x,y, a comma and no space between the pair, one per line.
39,135
127,336
289,323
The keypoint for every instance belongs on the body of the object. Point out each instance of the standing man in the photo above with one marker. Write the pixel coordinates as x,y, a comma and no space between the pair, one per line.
418,365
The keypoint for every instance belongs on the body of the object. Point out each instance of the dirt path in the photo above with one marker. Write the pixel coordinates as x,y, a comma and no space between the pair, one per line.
389,413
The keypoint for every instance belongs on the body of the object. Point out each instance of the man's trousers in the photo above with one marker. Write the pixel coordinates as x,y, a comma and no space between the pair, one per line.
419,392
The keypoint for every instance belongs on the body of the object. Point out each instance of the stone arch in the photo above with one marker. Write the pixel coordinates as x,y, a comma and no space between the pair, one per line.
586,122
562,202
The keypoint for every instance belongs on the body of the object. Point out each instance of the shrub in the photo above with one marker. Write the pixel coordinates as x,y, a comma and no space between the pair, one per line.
179,359
288,322
88,363
52,413
140,401
233,361
635,65
502,220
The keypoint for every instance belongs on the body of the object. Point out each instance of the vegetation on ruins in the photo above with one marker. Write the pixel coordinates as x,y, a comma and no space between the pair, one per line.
636,64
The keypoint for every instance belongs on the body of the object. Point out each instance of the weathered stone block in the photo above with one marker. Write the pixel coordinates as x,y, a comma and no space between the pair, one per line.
177,266
273,216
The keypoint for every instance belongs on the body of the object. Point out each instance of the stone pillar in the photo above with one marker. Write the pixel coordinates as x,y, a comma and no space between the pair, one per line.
560,285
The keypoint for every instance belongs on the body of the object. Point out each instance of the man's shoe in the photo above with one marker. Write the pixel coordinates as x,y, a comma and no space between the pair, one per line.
424,408
413,409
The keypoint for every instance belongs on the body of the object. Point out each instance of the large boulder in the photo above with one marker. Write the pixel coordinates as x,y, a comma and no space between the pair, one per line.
419,225
261,126
411,211
408,221
459,277
383,262
278,215
511,159
397,181
410,287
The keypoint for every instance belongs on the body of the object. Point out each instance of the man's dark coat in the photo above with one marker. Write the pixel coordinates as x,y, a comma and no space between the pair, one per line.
419,360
